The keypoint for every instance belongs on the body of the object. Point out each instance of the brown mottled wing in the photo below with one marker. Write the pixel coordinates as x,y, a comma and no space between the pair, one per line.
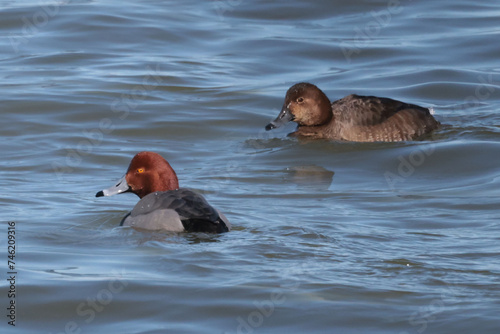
370,118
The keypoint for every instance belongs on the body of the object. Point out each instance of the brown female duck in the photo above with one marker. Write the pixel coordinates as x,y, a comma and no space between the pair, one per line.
353,118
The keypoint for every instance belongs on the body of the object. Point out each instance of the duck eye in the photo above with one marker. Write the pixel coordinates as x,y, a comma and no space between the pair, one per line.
140,170
300,100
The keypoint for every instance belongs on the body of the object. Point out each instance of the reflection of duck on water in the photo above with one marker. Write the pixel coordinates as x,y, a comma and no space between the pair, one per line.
310,176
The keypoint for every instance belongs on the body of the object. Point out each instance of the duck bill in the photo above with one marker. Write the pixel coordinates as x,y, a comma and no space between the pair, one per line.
284,117
120,187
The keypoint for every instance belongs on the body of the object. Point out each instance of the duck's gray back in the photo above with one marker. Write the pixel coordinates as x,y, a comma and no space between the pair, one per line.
176,210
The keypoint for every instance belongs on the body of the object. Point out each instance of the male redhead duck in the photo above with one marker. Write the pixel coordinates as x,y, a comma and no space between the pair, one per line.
163,206
353,118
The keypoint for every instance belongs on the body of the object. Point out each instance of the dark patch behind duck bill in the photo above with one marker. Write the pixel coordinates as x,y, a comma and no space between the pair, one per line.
284,117
120,187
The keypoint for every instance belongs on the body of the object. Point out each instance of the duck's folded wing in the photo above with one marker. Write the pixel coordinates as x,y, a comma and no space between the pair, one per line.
370,110
192,209
368,118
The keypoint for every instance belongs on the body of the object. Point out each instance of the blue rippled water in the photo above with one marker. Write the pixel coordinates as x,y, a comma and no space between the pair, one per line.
329,237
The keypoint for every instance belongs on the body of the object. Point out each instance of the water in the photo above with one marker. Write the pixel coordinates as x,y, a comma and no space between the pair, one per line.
328,237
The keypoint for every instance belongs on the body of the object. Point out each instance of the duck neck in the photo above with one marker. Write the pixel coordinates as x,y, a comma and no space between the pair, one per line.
324,110
167,180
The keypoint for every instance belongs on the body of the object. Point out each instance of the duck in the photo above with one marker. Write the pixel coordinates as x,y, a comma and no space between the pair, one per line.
163,205
353,118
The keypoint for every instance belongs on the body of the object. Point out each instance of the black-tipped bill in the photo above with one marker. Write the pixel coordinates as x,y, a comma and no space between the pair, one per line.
284,117
120,187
